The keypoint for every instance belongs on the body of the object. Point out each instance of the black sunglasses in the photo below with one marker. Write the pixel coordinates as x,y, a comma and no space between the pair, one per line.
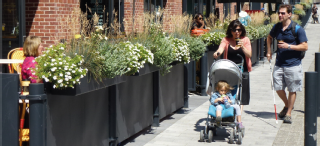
200,18
282,13
234,30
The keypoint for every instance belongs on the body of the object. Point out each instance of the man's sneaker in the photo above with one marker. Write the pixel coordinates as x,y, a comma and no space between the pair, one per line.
283,112
287,119
218,121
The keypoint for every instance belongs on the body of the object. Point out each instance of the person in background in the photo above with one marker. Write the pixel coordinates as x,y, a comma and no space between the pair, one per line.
198,22
244,18
315,13
32,48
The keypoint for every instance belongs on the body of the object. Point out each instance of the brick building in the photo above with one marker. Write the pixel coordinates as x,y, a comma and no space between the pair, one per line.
41,17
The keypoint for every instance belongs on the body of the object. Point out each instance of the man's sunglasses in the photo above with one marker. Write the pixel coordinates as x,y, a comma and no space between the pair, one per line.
234,30
200,18
282,13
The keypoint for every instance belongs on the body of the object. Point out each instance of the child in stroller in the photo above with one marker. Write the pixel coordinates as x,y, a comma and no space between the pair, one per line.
222,89
224,75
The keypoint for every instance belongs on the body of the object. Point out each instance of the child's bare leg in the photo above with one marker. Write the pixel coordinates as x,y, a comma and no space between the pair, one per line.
218,113
239,119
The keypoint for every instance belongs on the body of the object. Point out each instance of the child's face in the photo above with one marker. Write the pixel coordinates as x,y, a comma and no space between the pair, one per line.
222,90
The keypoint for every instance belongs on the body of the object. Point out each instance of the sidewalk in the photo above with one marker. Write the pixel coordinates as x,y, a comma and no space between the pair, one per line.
183,128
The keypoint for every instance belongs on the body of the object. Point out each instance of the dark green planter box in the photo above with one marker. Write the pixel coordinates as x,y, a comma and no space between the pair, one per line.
85,86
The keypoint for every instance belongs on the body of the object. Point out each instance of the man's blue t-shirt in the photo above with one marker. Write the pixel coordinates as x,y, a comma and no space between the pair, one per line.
285,57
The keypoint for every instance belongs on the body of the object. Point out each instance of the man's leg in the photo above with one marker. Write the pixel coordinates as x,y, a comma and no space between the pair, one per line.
292,99
283,96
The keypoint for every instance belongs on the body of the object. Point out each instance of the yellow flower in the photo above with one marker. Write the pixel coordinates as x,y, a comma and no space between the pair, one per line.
77,36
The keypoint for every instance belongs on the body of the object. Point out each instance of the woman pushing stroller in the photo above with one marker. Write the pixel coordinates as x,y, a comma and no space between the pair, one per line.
234,44
223,96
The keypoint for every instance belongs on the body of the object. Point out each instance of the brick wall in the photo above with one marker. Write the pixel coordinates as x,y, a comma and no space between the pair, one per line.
138,16
221,10
172,7
42,18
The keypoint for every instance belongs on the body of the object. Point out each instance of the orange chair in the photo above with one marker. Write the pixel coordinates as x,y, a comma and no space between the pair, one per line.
16,53
198,32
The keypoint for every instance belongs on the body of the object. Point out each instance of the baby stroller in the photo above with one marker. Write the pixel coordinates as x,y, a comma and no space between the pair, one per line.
230,72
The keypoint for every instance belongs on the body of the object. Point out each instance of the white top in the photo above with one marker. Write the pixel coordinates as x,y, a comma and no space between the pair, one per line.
243,14
7,61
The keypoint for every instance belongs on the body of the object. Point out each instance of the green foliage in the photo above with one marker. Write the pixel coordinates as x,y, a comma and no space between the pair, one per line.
252,33
161,46
213,37
306,5
61,70
299,12
123,58
87,47
196,46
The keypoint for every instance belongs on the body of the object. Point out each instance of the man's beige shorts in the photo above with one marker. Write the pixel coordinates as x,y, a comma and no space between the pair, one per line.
290,77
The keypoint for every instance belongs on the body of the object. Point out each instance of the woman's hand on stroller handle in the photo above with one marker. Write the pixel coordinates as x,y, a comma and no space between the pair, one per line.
216,54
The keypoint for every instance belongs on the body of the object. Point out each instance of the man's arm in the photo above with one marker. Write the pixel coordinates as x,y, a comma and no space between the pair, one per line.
269,41
301,47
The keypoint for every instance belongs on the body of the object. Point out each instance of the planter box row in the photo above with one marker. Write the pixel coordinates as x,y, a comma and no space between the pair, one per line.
100,114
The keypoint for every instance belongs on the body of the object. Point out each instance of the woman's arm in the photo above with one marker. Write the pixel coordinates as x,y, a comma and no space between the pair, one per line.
246,47
222,46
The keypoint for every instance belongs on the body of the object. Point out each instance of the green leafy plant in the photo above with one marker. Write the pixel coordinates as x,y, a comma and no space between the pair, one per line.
162,48
252,33
61,70
299,12
306,5
196,46
213,37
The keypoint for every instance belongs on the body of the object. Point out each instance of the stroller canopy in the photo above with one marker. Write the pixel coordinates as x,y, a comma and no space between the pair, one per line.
226,70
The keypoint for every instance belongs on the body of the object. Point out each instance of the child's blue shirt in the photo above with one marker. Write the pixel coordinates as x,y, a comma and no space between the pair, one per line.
216,95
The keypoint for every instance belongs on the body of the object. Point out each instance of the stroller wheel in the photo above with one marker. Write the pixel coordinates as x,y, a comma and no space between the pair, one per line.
202,136
210,136
232,134
242,132
239,141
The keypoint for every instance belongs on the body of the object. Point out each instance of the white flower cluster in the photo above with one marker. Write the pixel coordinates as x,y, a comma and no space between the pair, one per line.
61,70
138,56
181,50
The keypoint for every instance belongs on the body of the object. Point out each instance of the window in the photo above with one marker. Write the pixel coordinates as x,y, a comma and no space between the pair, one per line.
152,5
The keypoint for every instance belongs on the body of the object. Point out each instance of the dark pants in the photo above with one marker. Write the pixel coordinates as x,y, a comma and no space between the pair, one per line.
245,88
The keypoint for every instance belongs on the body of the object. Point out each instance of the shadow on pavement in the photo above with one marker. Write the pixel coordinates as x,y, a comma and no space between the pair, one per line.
263,115
222,133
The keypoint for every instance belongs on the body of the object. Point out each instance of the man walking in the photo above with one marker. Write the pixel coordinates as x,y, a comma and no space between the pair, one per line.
287,72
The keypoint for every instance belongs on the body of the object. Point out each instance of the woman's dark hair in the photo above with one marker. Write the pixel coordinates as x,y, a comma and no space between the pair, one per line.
233,25
197,15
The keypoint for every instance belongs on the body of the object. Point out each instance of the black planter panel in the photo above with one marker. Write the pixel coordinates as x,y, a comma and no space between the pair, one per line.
134,106
254,48
87,86
171,91
9,99
78,120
